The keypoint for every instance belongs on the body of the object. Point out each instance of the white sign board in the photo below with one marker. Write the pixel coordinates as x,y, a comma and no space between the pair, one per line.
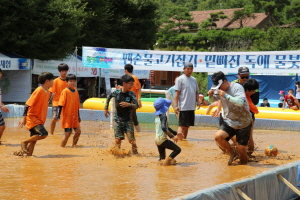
7,63
228,62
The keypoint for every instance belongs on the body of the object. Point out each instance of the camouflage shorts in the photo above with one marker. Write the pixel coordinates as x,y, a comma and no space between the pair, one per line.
122,128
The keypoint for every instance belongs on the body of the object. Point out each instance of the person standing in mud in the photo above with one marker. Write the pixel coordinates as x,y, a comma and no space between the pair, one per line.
35,113
236,115
125,103
59,85
5,109
68,109
136,89
161,106
186,99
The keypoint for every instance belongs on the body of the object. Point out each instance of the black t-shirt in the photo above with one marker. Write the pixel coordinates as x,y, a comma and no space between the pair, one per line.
122,113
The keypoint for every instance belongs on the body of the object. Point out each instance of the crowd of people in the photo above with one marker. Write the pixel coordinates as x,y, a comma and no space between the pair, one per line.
235,101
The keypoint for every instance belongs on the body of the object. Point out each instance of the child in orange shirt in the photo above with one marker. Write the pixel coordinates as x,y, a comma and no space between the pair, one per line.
68,109
250,86
35,113
59,85
136,89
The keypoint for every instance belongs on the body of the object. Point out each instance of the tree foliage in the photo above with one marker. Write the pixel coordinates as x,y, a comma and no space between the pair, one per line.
214,17
41,29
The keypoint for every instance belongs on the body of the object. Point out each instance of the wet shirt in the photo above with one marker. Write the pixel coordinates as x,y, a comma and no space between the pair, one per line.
162,129
69,99
237,117
122,113
136,86
38,107
58,86
188,87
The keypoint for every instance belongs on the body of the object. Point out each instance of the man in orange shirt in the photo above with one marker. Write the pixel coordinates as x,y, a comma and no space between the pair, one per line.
59,85
137,91
68,108
35,113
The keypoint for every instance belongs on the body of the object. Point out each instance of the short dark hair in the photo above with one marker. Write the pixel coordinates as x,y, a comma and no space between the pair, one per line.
0,70
251,84
128,67
70,77
298,83
291,90
45,76
265,99
280,105
63,67
218,76
126,79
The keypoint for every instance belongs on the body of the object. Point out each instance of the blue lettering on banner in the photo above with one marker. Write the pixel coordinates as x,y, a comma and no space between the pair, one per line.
234,61
5,63
148,62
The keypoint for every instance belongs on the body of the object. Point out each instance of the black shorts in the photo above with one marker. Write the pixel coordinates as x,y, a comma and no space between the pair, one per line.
187,118
242,135
2,123
70,129
38,130
54,110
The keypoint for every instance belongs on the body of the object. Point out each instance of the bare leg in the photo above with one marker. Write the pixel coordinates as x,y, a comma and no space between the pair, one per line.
31,148
251,141
52,126
243,154
134,147
76,136
2,128
185,131
118,143
34,138
65,138
220,138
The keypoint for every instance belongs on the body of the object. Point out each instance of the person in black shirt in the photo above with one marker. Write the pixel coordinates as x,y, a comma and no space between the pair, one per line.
265,103
125,101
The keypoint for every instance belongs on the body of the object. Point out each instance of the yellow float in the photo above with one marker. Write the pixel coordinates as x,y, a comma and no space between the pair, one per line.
264,112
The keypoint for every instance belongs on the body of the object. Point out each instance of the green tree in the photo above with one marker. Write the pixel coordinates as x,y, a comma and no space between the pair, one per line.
41,29
243,15
278,39
120,24
292,14
214,17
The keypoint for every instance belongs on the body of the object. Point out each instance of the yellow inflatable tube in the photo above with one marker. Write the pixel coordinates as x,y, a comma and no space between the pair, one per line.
264,112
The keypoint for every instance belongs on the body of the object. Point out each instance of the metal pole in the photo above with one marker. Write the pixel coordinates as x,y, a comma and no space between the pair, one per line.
76,49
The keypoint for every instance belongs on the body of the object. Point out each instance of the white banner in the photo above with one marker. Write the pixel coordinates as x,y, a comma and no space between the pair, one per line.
7,63
51,66
15,86
228,62
117,73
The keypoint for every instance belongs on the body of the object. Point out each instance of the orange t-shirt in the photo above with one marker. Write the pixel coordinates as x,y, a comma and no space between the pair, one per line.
58,86
71,104
37,112
136,86
252,107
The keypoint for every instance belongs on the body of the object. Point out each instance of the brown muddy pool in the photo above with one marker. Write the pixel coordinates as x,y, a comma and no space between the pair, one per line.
90,171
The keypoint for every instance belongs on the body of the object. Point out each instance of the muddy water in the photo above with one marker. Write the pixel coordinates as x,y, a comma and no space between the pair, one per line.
90,171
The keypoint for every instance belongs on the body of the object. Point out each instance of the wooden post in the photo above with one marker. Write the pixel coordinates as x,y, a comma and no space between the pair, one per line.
289,184
242,194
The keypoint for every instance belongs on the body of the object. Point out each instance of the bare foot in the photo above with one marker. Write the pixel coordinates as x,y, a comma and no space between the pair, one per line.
231,157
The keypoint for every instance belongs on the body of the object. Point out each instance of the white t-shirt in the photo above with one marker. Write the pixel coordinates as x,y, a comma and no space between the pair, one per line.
188,87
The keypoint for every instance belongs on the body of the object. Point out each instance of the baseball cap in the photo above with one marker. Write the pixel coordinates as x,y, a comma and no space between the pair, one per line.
217,84
244,70
161,105
186,65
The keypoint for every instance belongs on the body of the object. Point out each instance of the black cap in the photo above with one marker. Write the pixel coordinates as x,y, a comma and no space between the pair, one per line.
244,70
186,65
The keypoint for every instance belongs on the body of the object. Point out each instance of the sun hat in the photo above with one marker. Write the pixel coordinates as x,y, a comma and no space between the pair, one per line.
161,105
217,84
